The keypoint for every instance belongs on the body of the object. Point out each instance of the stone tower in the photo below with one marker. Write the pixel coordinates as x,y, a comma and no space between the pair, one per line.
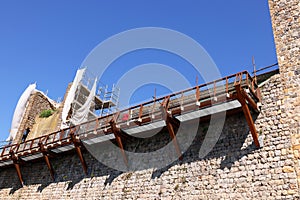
285,15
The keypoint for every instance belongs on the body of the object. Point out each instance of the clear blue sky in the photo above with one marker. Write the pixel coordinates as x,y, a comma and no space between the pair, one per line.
46,41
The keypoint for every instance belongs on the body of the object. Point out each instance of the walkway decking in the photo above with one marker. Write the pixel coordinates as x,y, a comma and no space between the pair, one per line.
237,91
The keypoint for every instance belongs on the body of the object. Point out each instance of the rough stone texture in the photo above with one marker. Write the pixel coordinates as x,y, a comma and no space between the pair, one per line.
286,27
234,169
36,103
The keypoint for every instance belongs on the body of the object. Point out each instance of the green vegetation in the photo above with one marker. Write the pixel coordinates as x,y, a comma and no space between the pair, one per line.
46,113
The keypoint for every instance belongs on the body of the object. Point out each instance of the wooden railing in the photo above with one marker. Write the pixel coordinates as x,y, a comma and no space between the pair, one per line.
135,115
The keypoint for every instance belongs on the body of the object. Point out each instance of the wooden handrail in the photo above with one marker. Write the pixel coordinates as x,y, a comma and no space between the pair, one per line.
253,86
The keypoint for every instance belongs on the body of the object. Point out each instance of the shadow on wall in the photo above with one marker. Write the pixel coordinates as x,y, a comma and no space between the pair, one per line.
231,147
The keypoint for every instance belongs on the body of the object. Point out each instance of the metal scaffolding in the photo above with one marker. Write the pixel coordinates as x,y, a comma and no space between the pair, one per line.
104,102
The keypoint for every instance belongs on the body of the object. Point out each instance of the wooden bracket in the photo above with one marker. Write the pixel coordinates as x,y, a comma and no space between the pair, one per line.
117,133
247,113
171,122
77,145
16,160
45,155
245,96
166,102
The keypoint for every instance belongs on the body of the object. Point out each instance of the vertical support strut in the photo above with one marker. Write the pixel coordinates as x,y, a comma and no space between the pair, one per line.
170,123
247,114
45,154
16,162
140,113
197,92
117,133
77,145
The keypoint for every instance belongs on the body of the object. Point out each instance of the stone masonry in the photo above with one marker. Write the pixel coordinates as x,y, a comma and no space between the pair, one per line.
285,16
36,103
234,169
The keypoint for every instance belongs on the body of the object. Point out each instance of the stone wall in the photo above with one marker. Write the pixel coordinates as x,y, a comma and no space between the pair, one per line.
234,169
285,16
36,103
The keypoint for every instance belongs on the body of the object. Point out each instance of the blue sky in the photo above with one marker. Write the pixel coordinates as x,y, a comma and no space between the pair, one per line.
46,41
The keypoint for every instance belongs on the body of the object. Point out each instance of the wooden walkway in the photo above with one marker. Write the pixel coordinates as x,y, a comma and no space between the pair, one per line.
237,91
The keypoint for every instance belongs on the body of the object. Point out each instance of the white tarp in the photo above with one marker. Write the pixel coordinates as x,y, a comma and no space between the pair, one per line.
19,111
81,114
70,97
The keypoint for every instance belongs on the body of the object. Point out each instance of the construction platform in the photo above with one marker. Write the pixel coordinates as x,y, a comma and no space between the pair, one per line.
236,92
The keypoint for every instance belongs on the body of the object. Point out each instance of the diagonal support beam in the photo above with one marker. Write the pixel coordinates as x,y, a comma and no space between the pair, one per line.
171,123
249,100
117,133
247,114
16,162
45,153
77,145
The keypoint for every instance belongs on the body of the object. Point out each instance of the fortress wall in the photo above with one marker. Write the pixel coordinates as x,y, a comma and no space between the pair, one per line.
234,169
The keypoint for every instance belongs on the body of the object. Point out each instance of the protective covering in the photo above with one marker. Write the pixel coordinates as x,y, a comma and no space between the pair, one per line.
19,111
70,97
81,114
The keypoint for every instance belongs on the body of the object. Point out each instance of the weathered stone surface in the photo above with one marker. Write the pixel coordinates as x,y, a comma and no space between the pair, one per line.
36,103
234,169
285,16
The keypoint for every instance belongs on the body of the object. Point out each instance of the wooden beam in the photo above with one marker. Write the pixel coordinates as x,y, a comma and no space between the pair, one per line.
170,123
166,102
197,93
16,162
77,145
174,139
250,101
247,114
117,133
140,113
45,155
